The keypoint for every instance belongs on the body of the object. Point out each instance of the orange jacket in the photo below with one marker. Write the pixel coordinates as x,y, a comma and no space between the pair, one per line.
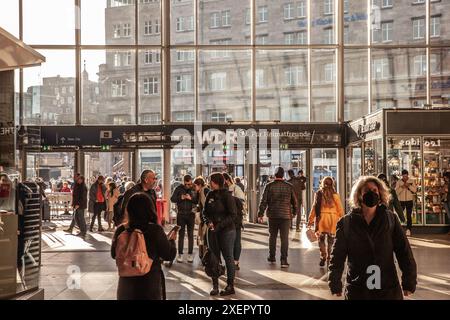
329,216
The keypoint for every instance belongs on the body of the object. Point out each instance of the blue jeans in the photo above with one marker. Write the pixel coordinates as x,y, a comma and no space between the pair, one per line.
225,241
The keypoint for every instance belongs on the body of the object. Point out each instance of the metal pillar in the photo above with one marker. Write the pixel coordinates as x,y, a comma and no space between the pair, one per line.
341,175
166,182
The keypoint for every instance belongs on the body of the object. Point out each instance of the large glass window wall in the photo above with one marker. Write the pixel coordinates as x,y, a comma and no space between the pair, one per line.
272,60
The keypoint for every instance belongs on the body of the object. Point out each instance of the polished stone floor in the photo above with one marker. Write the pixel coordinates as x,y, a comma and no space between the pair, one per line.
304,279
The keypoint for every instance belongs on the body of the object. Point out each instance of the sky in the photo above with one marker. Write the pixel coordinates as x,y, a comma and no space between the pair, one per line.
50,22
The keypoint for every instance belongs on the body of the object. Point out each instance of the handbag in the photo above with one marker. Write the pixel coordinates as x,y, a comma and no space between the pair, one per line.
311,235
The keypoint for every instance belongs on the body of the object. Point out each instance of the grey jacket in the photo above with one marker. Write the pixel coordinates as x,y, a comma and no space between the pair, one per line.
93,195
279,199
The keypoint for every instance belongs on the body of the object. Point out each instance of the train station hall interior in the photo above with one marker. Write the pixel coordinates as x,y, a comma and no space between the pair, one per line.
113,88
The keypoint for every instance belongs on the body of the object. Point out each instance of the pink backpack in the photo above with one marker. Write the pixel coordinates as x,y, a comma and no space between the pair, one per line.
132,258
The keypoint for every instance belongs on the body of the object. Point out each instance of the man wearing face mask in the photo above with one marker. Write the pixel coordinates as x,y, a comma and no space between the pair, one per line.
97,202
185,197
368,238
406,190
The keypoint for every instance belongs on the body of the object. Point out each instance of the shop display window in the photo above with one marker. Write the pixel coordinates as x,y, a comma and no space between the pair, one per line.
436,156
404,153
354,169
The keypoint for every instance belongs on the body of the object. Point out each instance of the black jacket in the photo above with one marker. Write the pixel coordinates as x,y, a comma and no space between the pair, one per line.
138,188
79,196
279,199
369,245
220,209
152,285
184,205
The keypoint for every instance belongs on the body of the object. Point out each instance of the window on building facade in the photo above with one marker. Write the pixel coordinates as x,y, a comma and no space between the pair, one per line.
330,72
346,5
263,14
190,22
381,69
215,20
293,76
183,55
217,81
157,26
120,3
147,28
180,24
183,116
387,3
116,30
226,18
151,86
329,36
184,83
150,118
419,28
302,37
435,27
289,11
301,9
262,39
247,16
127,30
420,65
219,116
387,29
328,7
289,38
118,88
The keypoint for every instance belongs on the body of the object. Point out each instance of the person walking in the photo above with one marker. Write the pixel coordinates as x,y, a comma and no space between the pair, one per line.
325,213
303,183
369,237
146,184
297,184
79,204
239,183
219,214
406,190
97,202
239,196
151,286
202,192
394,205
112,198
281,203
185,199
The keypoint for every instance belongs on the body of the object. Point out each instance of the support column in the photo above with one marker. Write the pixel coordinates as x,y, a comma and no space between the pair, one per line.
134,165
252,184
166,183
341,175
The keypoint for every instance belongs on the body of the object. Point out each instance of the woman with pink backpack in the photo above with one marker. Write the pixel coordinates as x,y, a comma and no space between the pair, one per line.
139,247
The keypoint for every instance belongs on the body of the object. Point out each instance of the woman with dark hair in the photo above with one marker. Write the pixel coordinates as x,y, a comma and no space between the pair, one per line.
219,215
142,216
112,197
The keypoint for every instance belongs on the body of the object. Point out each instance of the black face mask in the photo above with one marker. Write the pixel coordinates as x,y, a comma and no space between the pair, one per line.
371,199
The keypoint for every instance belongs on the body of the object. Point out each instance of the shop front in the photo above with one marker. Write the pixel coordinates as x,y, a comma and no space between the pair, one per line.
390,141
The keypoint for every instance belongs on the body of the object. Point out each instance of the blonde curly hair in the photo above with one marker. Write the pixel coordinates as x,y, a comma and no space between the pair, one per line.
355,199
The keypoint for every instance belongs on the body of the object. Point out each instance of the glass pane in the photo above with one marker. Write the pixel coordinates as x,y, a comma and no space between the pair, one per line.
150,87
49,21
182,22
49,90
149,22
115,165
182,164
439,22
108,87
355,84
398,78
222,22
324,163
323,22
404,153
9,16
107,22
398,22
225,93
373,157
53,168
436,153
440,75
323,79
183,85
281,22
353,166
286,73
355,22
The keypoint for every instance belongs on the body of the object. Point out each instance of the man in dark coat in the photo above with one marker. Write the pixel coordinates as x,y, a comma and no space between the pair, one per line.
79,204
297,184
281,203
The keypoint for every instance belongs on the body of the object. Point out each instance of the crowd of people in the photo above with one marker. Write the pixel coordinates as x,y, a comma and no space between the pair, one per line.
369,234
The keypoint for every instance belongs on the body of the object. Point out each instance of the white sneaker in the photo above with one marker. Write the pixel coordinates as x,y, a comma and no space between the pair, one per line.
190,258
408,233
180,258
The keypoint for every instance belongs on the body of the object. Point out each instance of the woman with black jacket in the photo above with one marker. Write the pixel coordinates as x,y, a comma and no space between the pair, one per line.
219,215
151,286
368,237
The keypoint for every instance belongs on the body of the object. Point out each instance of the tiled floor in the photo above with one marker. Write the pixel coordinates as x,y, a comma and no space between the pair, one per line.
257,279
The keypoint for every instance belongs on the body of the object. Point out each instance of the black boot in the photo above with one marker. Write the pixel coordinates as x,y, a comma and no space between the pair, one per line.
215,289
229,289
